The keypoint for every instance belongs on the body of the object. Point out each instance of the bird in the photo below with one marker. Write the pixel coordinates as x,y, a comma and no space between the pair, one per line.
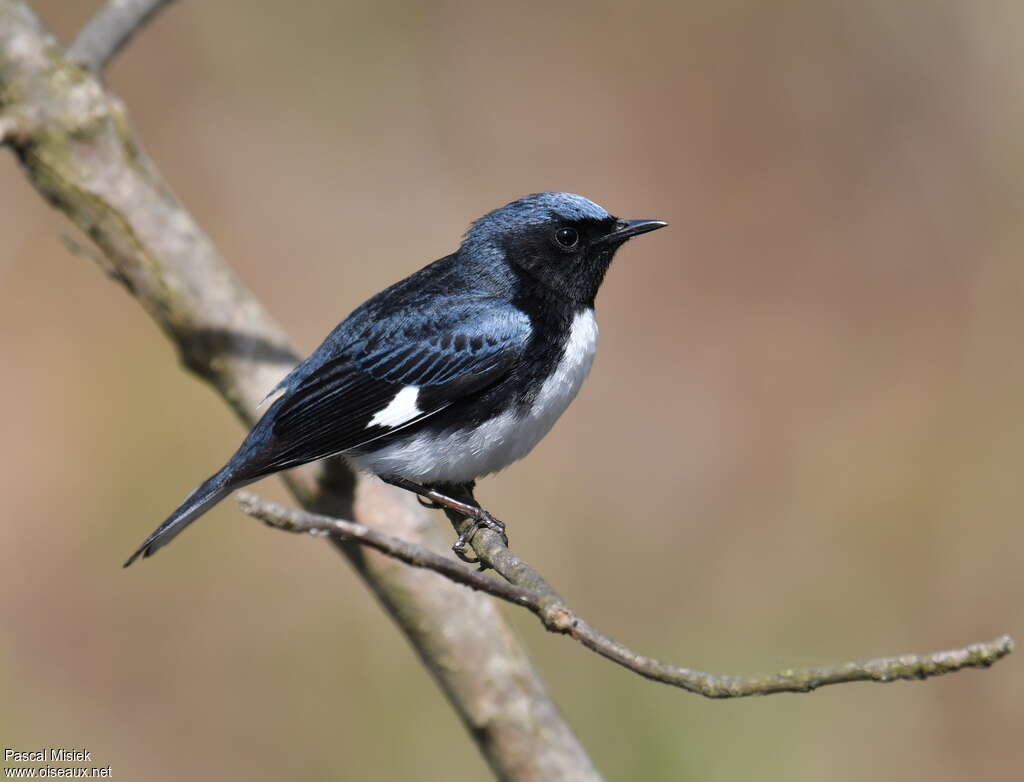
450,374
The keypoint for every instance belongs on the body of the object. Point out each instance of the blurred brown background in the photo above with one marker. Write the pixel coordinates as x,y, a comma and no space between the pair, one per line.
800,443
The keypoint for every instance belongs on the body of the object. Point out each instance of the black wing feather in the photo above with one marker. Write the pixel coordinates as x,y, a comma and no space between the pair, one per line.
328,407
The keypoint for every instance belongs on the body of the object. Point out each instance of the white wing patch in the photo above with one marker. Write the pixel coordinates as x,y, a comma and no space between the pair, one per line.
459,455
400,410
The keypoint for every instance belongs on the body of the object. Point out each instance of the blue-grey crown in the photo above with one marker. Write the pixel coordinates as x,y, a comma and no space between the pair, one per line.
531,210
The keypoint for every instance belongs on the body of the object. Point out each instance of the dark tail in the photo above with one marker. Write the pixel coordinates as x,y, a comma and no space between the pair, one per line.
204,497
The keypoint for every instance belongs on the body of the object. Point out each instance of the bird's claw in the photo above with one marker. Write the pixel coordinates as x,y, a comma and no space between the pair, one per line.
481,519
459,547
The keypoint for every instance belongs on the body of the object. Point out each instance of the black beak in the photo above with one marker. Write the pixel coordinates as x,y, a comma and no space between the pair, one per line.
627,229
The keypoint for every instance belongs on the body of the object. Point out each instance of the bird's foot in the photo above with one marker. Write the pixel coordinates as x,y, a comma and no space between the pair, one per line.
478,519
463,504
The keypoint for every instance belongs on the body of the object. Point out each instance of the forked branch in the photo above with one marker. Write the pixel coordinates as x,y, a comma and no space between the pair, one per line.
525,587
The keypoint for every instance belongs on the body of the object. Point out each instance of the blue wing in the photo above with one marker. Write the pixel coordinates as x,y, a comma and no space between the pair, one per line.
332,401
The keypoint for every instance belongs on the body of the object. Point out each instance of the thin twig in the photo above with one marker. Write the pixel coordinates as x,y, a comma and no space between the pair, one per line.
110,30
295,520
528,588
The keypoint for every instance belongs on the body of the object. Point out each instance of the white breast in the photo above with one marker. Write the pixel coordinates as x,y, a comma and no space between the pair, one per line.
460,456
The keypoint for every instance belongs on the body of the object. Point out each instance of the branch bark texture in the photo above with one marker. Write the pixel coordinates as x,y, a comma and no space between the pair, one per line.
77,148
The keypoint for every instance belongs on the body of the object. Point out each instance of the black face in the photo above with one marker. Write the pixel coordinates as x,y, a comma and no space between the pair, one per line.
570,257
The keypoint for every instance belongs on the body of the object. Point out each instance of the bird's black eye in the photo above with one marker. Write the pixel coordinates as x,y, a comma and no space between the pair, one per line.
567,237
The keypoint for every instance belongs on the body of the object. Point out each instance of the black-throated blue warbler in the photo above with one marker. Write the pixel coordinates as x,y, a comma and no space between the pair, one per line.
449,375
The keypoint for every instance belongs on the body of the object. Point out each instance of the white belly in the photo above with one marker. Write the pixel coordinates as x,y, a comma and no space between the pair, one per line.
460,456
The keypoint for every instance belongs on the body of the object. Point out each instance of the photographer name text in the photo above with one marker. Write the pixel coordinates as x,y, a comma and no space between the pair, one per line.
48,755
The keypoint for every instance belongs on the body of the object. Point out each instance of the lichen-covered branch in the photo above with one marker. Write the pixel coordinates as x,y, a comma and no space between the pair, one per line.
77,148
525,587
110,30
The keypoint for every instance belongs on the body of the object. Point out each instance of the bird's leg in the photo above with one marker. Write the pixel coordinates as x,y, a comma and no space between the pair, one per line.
478,518
466,506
